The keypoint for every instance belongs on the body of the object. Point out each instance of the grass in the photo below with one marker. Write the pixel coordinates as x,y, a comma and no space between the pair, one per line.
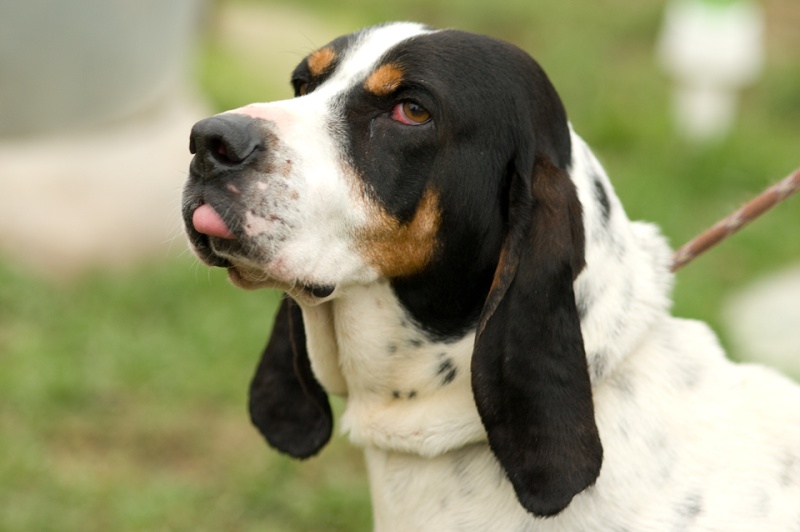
123,408
122,397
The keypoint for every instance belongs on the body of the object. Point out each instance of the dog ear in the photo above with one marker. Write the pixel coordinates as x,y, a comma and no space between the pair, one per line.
529,371
287,404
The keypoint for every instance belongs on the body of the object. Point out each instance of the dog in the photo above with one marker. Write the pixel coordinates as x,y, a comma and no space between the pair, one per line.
459,267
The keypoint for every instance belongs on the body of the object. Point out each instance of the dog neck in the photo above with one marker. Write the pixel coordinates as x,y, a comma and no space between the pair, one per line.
404,391
625,288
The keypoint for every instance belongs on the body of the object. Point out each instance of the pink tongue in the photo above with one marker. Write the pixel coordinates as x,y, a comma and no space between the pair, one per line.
206,220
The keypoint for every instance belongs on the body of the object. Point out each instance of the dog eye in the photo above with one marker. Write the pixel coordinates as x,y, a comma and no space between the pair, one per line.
411,113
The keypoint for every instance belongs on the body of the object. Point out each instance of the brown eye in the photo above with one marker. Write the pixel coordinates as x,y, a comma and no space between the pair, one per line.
411,113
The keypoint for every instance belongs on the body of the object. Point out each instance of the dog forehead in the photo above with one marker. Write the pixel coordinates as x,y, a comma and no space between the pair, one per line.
358,54
380,58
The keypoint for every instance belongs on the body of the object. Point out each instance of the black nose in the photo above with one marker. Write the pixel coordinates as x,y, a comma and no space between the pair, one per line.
224,142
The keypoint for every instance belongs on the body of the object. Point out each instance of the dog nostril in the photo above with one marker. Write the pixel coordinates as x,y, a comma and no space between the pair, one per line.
222,150
219,150
230,151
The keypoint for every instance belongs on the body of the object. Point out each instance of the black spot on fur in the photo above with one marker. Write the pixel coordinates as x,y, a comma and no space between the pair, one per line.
602,198
447,371
598,364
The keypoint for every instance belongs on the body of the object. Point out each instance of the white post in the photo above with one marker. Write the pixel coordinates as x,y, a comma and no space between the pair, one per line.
711,49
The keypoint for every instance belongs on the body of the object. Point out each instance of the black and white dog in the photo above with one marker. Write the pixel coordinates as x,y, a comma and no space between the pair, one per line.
461,270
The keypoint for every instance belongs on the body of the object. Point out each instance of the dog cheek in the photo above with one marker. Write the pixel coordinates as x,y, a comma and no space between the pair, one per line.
396,249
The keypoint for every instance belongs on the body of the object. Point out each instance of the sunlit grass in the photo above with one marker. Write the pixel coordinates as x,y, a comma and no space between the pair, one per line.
124,408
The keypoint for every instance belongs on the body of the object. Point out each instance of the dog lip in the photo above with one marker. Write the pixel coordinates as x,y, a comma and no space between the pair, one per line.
319,291
249,278
207,231
204,251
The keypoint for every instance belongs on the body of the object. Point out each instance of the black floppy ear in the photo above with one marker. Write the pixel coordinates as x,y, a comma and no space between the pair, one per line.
287,404
529,371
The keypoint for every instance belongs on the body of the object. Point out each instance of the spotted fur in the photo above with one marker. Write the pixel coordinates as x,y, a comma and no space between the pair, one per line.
473,287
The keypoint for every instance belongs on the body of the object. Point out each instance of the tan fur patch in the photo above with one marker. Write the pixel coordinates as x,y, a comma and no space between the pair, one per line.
399,250
385,80
320,61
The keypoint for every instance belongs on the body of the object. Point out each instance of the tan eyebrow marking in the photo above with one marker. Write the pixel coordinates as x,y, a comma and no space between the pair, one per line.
320,61
385,80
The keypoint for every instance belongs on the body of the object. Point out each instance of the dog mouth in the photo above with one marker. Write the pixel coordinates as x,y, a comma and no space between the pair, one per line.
209,233
202,225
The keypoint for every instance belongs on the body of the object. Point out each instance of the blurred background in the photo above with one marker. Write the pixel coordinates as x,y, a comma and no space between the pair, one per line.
124,363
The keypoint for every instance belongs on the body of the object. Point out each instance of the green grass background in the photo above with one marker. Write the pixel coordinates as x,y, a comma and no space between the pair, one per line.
122,396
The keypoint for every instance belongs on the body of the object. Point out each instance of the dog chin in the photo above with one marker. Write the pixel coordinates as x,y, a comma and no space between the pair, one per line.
252,280
309,293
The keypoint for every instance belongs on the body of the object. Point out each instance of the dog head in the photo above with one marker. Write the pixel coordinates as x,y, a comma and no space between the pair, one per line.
437,161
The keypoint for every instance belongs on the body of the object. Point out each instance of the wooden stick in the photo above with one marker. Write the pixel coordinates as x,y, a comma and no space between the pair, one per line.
726,227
